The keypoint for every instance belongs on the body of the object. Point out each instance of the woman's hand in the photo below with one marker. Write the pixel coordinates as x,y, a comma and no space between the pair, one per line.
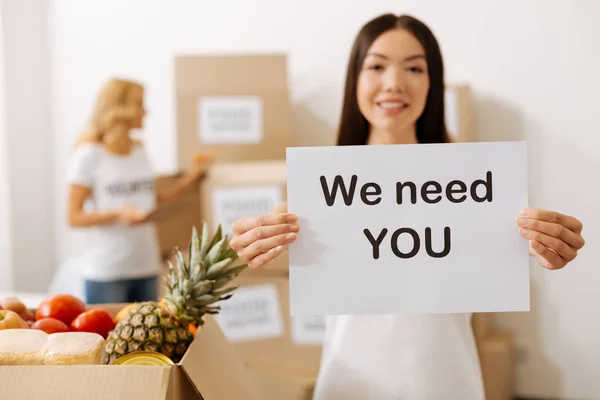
201,161
554,238
258,240
131,215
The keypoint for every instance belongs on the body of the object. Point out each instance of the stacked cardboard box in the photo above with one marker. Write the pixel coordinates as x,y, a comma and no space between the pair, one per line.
283,352
459,113
238,108
174,221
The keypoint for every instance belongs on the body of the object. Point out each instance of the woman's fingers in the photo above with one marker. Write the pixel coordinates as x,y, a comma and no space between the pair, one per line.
267,257
261,232
547,258
265,245
558,246
243,225
554,237
571,223
552,229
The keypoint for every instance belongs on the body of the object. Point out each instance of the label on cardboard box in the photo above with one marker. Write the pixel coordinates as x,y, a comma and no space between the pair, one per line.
307,330
232,203
252,313
230,120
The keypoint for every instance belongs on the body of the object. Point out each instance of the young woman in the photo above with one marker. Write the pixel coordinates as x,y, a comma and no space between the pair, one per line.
110,173
395,95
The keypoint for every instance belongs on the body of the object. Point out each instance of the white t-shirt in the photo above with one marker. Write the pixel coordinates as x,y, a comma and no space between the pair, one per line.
393,357
115,250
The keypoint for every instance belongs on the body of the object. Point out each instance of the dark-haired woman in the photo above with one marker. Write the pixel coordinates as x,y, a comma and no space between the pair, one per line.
394,94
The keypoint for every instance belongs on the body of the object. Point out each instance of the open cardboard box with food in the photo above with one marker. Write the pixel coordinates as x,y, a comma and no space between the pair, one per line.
169,349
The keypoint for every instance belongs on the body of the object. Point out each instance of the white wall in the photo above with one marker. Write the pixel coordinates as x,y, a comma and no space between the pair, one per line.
533,66
6,275
28,141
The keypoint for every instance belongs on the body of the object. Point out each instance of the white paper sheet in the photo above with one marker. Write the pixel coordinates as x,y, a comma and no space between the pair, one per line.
477,260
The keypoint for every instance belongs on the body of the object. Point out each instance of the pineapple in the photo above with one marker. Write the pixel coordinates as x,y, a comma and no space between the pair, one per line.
192,289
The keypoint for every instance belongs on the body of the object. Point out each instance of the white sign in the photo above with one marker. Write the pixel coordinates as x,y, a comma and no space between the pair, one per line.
230,120
232,203
308,331
252,313
408,229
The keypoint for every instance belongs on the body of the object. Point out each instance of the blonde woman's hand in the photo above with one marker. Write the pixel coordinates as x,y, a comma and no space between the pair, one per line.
131,215
258,240
201,161
554,238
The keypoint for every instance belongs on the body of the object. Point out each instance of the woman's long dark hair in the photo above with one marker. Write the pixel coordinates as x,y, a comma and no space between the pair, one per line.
431,127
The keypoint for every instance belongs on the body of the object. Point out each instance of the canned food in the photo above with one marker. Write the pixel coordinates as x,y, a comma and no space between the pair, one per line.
144,357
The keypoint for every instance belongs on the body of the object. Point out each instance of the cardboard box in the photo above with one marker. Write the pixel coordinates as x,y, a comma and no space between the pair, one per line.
459,113
497,365
174,221
242,189
210,370
256,320
235,105
281,385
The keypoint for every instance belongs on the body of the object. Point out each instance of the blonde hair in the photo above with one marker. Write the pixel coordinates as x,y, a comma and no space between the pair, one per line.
113,106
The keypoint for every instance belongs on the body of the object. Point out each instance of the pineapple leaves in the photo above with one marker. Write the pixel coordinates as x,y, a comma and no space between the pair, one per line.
217,238
195,256
215,252
202,287
224,291
215,269
204,244
230,253
228,276
195,284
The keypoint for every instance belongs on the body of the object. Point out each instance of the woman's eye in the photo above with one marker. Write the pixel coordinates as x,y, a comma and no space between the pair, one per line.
416,69
376,67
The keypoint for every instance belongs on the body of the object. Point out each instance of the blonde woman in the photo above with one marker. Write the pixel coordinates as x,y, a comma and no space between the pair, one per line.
110,190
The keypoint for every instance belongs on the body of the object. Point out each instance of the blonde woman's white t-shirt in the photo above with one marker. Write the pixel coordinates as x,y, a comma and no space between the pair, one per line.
115,250
393,357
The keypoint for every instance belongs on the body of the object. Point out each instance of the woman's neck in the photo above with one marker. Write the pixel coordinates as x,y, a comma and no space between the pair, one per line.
121,146
381,136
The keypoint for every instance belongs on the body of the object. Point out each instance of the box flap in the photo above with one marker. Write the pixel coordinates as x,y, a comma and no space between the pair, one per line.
215,368
97,382
180,386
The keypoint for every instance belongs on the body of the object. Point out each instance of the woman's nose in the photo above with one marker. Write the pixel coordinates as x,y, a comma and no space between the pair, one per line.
394,81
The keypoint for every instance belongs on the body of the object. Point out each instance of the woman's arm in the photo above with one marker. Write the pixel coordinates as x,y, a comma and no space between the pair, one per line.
173,193
78,217
201,164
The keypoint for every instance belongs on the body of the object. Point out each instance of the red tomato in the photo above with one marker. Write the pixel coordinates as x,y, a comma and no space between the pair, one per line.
96,321
50,325
63,307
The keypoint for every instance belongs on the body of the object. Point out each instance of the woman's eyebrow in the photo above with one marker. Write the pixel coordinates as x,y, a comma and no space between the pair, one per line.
409,58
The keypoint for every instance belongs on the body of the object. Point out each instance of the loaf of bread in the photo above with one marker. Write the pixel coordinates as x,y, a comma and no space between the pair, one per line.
73,348
22,346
